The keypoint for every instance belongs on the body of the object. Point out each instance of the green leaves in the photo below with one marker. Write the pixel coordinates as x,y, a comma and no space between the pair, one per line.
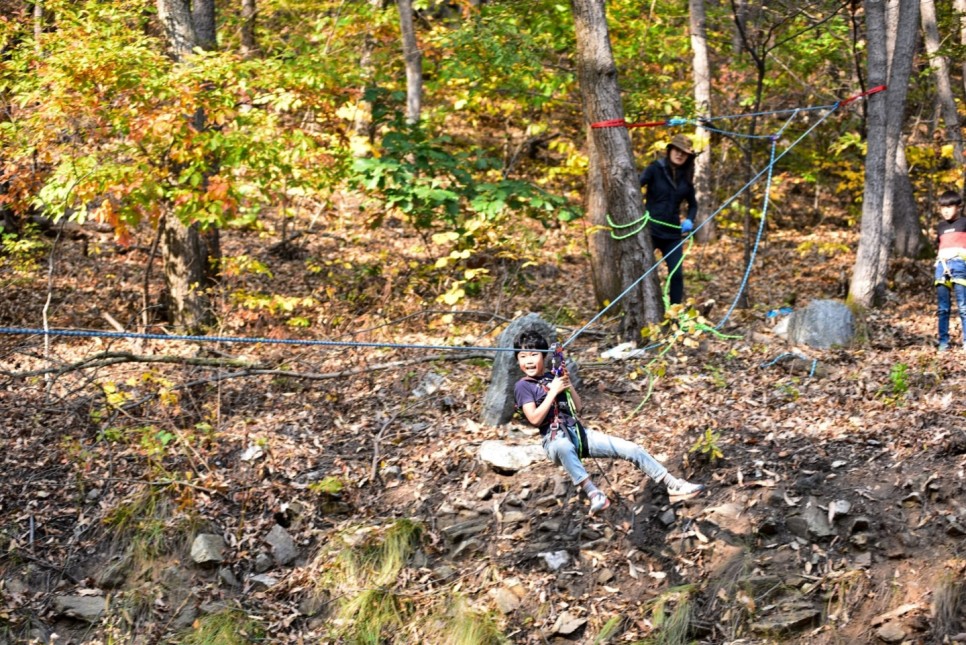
423,179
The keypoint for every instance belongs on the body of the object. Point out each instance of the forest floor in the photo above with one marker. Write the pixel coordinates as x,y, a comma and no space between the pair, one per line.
111,469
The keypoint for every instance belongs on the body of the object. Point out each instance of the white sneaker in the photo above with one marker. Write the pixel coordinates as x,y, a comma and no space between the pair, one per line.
598,501
680,489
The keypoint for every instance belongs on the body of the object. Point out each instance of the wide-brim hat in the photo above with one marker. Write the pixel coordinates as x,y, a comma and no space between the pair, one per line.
682,143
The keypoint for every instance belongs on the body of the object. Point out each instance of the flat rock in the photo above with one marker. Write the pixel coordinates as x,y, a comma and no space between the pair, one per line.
87,608
730,517
566,624
509,459
262,581
891,633
784,622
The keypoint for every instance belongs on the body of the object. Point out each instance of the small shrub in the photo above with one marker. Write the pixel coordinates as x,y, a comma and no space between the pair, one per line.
707,446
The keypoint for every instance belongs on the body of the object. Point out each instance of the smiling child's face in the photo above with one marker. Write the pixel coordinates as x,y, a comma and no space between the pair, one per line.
531,363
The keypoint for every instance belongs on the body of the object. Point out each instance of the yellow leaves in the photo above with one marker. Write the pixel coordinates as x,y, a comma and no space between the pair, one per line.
454,256
453,295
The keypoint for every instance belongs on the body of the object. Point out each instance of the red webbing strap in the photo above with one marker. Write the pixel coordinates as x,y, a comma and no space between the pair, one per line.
621,123
868,92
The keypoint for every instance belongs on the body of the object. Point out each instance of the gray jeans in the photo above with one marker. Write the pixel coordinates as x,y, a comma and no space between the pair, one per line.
562,452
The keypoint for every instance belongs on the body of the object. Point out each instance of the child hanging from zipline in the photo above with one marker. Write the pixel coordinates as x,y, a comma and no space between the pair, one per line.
550,402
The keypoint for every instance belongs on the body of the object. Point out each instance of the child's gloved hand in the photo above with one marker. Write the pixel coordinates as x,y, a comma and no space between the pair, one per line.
687,226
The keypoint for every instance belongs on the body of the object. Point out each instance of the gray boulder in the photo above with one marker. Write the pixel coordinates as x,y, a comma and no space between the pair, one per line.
208,548
498,403
283,546
822,324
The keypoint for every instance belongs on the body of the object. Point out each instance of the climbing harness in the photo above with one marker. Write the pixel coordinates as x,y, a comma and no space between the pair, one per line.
575,431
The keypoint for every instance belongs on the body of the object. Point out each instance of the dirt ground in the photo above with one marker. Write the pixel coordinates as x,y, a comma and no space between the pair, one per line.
873,436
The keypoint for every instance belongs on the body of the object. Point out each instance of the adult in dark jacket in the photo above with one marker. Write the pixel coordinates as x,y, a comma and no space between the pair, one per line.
668,182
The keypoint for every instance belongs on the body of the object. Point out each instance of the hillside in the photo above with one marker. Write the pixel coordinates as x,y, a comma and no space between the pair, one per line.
344,502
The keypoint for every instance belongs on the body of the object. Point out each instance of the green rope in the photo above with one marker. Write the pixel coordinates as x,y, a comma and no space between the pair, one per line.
640,223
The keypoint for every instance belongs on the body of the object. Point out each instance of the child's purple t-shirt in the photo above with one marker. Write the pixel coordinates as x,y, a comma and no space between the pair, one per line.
529,391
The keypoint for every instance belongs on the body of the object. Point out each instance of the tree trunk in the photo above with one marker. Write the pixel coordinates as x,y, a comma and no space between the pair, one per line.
38,17
702,104
190,256
960,8
940,71
414,62
909,240
187,274
249,45
175,15
601,100
603,247
885,118
203,19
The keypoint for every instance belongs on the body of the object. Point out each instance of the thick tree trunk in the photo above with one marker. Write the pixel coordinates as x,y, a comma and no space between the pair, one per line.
909,241
940,71
203,19
702,104
885,118
175,15
187,274
601,100
603,247
414,62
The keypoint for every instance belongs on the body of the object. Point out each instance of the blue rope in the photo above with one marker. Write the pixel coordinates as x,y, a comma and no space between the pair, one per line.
25,331
811,372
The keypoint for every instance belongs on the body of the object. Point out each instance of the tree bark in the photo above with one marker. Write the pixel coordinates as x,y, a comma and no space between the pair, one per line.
187,274
38,17
959,6
940,71
885,118
203,19
909,240
175,15
600,95
190,255
249,44
702,104
414,62
603,247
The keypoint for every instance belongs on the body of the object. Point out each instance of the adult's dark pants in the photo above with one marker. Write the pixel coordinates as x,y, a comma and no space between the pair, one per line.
672,258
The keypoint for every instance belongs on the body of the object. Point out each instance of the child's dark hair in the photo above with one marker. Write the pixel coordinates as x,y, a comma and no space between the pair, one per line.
950,198
530,340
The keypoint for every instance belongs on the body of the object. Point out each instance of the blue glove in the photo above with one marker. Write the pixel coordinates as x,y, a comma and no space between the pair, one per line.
687,226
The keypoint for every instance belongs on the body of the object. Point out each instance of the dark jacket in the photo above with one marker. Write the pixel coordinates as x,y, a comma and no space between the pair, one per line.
664,197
